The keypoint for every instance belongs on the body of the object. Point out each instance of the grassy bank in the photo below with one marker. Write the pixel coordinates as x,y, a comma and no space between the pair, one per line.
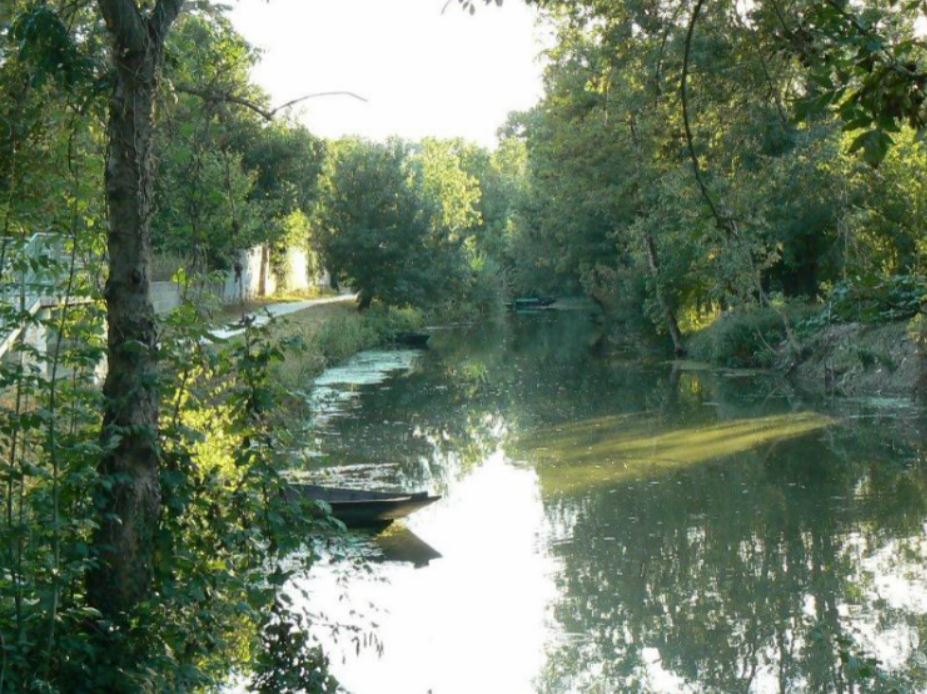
320,336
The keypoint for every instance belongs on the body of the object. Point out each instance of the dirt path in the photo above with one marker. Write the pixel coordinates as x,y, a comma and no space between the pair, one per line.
265,313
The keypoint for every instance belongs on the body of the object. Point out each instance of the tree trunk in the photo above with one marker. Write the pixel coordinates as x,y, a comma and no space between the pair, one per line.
672,325
128,510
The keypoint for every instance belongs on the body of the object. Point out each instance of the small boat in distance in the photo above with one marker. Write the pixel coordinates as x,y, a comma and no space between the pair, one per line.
531,303
412,339
360,508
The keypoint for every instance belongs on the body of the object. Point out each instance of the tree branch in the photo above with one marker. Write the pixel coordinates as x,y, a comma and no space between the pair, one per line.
163,15
683,90
125,23
264,112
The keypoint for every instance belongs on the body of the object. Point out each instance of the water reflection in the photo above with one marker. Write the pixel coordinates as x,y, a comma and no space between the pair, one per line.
609,449
473,616
616,526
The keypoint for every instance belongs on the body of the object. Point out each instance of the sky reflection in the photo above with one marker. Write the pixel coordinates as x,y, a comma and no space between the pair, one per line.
612,527
475,615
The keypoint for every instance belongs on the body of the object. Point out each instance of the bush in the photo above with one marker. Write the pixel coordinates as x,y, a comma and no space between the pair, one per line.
741,339
388,321
898,297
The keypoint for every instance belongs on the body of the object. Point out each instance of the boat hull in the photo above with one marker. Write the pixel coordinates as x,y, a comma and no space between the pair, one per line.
357,508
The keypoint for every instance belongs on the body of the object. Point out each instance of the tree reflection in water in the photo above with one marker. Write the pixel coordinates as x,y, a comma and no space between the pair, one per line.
709,533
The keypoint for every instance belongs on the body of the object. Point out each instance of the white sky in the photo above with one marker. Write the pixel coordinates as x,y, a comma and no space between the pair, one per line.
424,72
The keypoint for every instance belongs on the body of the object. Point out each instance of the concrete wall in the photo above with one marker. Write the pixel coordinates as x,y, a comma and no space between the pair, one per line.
245,284
295,270
245,281
165,296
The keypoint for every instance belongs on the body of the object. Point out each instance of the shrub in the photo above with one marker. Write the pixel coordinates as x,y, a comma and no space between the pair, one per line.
740,339
898,297
388,321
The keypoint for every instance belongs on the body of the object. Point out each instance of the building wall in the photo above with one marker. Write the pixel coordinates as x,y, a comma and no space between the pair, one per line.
244,282
165,296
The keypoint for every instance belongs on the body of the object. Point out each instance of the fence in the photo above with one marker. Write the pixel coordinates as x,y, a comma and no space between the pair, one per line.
29,280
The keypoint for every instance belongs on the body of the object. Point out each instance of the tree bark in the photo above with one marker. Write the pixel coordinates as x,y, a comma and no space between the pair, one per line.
672,325
128,510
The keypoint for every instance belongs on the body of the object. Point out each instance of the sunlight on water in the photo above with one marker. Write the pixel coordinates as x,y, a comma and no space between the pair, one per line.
607,449
476,613
617,527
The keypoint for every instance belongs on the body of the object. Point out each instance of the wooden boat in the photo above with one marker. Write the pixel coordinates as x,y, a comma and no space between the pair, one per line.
359,507
412,339
531,303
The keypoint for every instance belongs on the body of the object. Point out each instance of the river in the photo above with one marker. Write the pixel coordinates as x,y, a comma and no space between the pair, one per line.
612,525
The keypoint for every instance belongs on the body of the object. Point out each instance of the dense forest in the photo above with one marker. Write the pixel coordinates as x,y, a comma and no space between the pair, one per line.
735,182
691,159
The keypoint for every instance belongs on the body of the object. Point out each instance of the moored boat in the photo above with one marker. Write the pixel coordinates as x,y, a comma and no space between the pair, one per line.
531,303
360,507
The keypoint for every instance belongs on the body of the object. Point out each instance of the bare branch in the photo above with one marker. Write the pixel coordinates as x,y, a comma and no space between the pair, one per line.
293,102
264,112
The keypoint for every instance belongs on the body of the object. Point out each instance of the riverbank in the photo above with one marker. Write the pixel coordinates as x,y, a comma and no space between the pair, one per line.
857,359
846,358
262,313
321,335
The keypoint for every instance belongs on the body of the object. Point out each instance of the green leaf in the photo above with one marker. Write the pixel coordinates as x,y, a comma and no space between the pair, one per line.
874,144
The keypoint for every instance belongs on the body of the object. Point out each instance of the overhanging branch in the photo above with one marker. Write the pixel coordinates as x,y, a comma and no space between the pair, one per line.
263,111
721,222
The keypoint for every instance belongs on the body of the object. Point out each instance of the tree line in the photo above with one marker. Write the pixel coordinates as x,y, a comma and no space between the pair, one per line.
145,528
693,158
687,160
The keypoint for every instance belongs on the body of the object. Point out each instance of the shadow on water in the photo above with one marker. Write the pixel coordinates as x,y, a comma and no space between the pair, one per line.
613,525
399,544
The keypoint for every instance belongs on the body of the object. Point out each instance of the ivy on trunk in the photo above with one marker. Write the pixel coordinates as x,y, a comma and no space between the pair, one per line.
130,502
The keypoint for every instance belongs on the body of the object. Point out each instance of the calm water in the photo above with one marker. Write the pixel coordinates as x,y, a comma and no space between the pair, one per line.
612,526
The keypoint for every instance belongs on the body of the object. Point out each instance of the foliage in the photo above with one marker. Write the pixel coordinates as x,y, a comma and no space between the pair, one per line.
878,300
750,189
288,662
865,62
384,226
224,529
227,180
224,526
747,338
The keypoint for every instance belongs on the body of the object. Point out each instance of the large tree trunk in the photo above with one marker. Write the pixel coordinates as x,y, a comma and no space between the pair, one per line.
672,325
128,511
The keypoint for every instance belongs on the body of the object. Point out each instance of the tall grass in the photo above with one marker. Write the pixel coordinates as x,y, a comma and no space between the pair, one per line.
324,335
